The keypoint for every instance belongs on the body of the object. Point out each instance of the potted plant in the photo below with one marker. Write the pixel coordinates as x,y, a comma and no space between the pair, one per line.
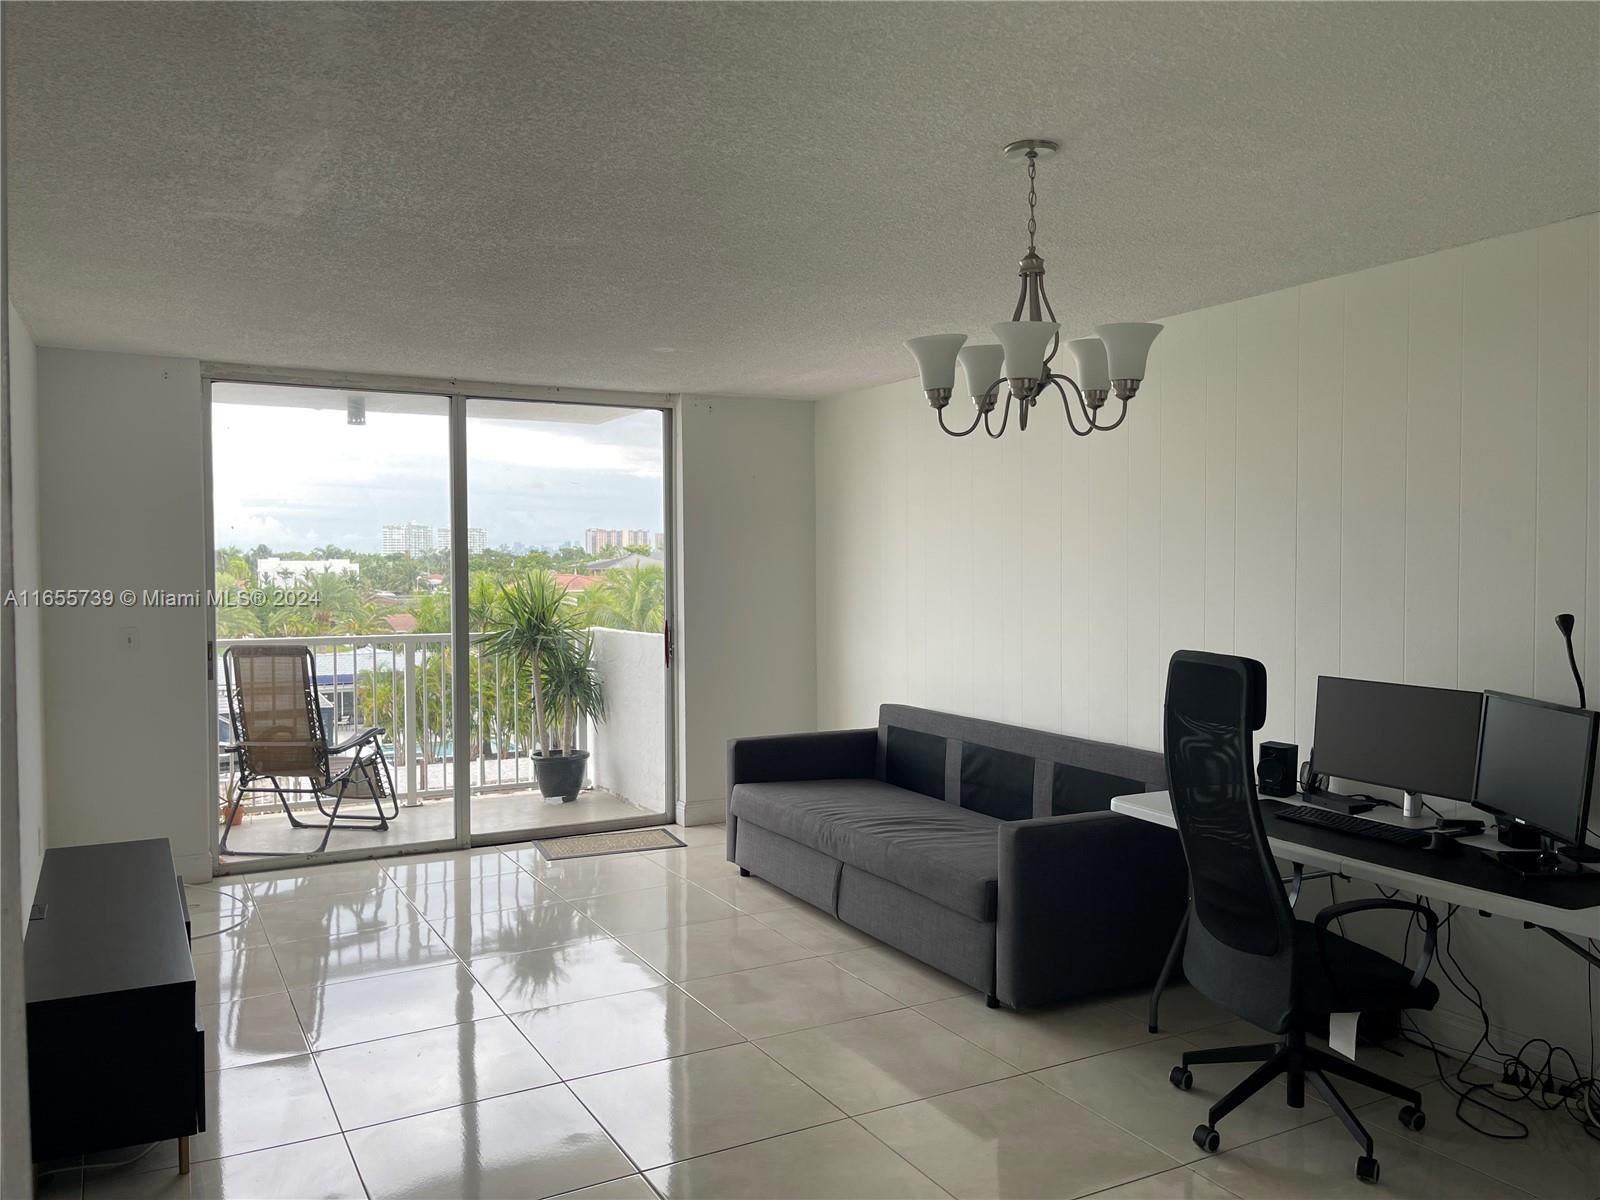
572,692
539,633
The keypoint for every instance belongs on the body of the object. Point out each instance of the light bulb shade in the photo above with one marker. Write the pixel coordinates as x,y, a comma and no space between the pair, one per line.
1090,354
1024,343
982,365
1127,347
936,359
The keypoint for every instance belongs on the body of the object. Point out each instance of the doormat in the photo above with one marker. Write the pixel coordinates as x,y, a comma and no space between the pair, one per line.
590,845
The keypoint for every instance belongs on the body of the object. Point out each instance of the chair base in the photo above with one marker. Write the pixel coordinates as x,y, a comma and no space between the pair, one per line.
1299,1064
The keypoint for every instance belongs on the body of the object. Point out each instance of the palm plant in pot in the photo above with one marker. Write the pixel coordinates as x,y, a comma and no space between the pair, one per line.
538,631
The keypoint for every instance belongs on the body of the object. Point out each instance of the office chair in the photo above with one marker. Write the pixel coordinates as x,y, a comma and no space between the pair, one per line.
1245,949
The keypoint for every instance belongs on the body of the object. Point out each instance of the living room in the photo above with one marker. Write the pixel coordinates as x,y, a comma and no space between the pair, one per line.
628,342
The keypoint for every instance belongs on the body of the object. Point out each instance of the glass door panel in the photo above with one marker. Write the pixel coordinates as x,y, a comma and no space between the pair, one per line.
568,605
331,535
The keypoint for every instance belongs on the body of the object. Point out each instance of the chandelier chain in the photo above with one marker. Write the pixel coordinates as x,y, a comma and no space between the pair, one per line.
1033,199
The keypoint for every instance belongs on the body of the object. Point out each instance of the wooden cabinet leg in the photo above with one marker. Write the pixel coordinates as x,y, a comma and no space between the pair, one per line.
183,1156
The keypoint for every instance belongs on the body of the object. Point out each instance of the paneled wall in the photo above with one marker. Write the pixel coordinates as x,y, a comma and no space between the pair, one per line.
1393,474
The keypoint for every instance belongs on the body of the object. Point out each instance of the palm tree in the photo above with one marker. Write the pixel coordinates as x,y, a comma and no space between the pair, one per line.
537,616
627,598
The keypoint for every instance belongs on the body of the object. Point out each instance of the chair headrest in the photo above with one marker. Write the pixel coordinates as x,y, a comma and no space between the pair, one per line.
1188,669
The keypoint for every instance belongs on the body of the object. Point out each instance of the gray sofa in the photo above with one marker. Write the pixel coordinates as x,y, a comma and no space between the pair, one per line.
987,851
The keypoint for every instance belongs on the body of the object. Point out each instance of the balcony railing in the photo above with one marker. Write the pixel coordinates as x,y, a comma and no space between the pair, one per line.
402,682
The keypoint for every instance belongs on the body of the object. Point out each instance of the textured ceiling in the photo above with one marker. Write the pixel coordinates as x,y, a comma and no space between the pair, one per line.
746,198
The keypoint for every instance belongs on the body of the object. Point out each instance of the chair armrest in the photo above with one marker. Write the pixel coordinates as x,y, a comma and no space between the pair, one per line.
350,743
830,754
1089,902
1345,908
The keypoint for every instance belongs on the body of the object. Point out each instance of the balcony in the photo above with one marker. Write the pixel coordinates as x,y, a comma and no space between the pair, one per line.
402,682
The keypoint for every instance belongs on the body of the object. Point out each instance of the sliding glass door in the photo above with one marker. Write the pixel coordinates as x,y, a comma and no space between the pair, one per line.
569,615
364,543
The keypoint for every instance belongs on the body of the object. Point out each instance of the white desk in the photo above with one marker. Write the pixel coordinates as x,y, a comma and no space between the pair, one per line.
1156,807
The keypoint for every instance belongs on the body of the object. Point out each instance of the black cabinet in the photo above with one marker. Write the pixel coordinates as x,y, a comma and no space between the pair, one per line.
116,1053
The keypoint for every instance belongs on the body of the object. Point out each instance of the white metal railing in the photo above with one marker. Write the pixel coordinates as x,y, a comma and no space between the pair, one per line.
401,681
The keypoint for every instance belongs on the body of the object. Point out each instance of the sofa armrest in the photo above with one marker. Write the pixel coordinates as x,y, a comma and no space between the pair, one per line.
1089,902
827,754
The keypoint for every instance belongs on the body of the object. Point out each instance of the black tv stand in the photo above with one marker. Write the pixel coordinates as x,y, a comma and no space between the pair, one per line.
116,1051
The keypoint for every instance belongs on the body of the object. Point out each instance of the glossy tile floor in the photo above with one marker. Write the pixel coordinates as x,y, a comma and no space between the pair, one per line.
490,1024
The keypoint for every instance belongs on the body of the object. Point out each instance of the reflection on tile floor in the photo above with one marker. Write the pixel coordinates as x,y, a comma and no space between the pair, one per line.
485,1023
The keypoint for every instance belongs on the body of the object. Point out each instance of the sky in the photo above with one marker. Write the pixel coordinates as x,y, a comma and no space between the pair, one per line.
296,474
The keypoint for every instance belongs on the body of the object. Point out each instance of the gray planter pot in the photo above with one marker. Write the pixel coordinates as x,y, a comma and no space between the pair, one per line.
560,776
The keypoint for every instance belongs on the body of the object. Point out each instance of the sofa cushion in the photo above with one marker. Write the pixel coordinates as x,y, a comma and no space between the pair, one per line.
948,854
997,783
914,761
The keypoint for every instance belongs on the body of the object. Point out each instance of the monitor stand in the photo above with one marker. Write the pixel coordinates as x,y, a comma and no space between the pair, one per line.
1543,854
1412,805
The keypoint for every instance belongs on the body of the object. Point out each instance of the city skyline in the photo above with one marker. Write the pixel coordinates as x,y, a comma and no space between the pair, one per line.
293,475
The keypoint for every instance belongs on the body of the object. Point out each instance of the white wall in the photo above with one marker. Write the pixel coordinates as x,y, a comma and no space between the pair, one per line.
122,505
630,745
747,595
25,555
1393,474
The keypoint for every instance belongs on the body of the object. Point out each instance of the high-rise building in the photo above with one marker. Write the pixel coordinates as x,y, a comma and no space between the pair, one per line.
477,539
411,538
596,540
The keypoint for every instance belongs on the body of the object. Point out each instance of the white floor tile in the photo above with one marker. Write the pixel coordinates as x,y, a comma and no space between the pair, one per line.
257,1107
513,931
713,948
257,1029
892,1058
437,1068
625,1030
840,1161
1037,1038
363,1010
319,960
682,1107
678,902
580,971
320,1169
519,1147
1016,1139
767,1001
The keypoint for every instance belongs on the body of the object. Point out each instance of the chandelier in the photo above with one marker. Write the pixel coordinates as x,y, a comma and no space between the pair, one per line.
1114,359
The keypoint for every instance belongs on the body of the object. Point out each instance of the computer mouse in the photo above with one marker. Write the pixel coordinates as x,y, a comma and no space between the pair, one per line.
1442,843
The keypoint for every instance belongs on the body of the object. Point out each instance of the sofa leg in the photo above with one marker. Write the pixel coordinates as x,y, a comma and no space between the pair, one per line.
991,1001
743,874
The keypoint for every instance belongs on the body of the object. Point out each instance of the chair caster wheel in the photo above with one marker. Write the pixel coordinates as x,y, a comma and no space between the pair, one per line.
1181,1078
1413,1118
1367,1169
1207,1138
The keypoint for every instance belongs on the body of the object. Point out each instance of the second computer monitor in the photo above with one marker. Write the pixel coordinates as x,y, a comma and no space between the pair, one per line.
1536,763
1418,739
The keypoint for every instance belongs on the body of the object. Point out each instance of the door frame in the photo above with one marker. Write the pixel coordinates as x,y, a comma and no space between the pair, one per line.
457,393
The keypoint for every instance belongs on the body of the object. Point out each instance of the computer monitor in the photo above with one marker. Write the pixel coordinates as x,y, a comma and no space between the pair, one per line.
1418,739
1536,764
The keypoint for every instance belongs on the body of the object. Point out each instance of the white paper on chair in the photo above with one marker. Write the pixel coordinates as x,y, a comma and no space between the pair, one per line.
1342,1034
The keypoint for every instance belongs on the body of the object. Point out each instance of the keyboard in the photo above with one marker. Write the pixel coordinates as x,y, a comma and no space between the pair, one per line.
1322,818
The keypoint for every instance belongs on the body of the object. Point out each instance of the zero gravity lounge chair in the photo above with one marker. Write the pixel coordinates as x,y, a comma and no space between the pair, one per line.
281,746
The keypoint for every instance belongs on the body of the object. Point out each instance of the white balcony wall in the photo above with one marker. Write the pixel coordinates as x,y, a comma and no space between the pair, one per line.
630,745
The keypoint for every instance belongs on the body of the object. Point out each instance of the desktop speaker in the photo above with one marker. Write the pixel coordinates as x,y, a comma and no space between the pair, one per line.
1276,772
